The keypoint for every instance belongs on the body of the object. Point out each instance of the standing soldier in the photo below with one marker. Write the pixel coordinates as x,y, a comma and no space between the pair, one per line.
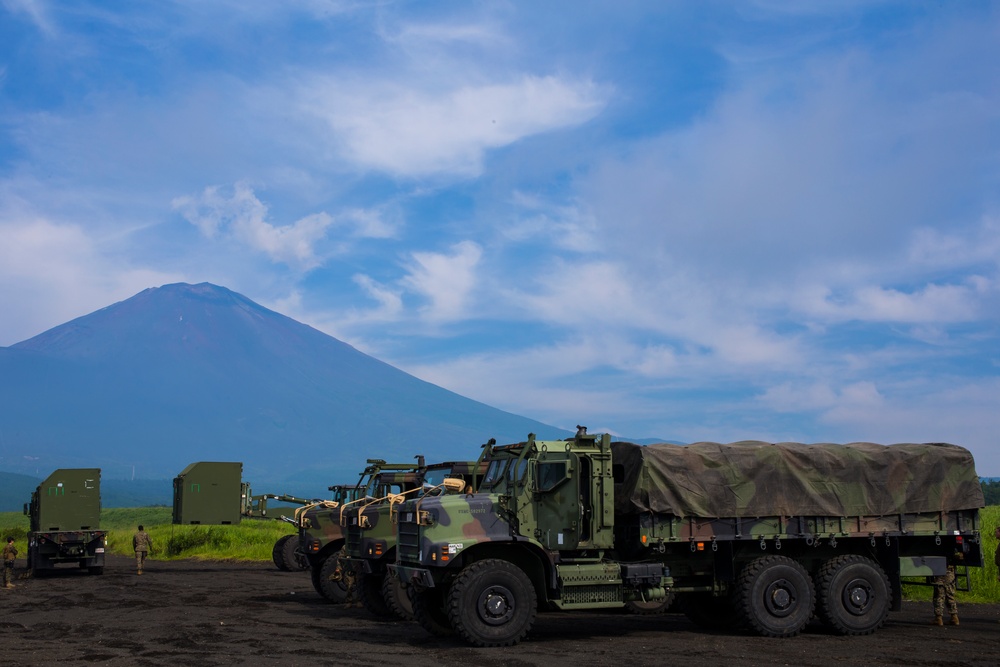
349,577
944,594
9,554
996,556
141,544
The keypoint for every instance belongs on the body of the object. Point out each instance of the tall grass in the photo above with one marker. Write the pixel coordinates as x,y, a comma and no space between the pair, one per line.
251,540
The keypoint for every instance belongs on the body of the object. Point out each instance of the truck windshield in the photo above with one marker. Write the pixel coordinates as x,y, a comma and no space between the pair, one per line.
495,472
515,472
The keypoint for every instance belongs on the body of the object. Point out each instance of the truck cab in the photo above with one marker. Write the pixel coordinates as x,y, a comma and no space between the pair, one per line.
539,532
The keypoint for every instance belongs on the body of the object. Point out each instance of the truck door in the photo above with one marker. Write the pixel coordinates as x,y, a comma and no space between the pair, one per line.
557,500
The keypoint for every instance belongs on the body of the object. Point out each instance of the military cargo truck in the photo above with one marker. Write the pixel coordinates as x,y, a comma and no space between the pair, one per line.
285,553
321,535
370,531
750,534
65,518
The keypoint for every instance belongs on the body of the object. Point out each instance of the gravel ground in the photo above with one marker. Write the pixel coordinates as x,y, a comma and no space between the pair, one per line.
205,614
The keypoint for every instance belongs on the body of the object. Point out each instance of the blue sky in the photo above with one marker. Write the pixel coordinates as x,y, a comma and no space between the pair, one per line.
689,220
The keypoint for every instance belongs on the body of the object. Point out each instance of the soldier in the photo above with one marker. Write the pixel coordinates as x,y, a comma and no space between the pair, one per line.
141,544
9,554
350,579
944,594
996,555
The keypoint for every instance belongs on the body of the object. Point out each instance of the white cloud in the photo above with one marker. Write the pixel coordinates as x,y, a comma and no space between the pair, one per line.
541,377
407,130
565,227
390,301
445,280
931,248
243,217
931,304
52,272
821,397
36,11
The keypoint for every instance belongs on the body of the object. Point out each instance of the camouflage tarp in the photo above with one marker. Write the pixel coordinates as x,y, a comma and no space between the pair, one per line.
752,479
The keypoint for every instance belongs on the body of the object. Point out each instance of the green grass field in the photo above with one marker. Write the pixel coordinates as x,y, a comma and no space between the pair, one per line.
253,540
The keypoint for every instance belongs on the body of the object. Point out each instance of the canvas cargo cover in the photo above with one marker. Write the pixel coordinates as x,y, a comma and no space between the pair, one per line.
751,479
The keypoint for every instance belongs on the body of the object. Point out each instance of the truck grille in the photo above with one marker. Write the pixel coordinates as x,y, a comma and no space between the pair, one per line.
352,539
408,547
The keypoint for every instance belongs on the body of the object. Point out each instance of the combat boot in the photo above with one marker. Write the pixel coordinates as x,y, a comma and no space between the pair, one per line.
954,619
937,621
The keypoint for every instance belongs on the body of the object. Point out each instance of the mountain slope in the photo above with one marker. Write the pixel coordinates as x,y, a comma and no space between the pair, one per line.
184,373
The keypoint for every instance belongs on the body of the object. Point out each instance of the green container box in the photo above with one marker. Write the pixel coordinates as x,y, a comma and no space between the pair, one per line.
68,499
209,492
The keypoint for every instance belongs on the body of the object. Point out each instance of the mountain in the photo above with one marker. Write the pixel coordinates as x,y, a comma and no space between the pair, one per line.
15,491
184,373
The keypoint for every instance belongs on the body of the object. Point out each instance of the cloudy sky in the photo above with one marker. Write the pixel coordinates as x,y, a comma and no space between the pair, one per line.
688,220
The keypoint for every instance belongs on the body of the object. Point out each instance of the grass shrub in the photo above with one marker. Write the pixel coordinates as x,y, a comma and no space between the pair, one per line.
16,525
252,539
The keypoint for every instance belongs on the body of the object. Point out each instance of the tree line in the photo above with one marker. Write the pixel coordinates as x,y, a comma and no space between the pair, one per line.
991,490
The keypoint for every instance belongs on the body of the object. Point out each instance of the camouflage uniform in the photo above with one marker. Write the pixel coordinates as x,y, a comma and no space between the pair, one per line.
996,556
350,581
141,544
9,554
944,594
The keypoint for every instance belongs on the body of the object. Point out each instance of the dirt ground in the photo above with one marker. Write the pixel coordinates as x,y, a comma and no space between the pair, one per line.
205,614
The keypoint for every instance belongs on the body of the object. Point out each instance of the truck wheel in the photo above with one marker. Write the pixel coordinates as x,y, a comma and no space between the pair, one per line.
492,603
854,595
369,587
650,608
775,596
278,552
396,598
331,583
294,560
708,611
429,611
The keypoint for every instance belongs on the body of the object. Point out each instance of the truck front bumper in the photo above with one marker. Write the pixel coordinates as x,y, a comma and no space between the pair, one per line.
417,576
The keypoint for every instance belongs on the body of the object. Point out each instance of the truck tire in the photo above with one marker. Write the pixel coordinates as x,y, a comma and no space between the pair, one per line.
95,569
369,587
330,582
278,552
492,603
854,595
396,598
775,596
428,610
294,560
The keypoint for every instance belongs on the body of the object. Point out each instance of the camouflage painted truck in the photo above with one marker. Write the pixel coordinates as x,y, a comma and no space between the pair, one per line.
321,535
370,531
286,554
65,519
750,534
